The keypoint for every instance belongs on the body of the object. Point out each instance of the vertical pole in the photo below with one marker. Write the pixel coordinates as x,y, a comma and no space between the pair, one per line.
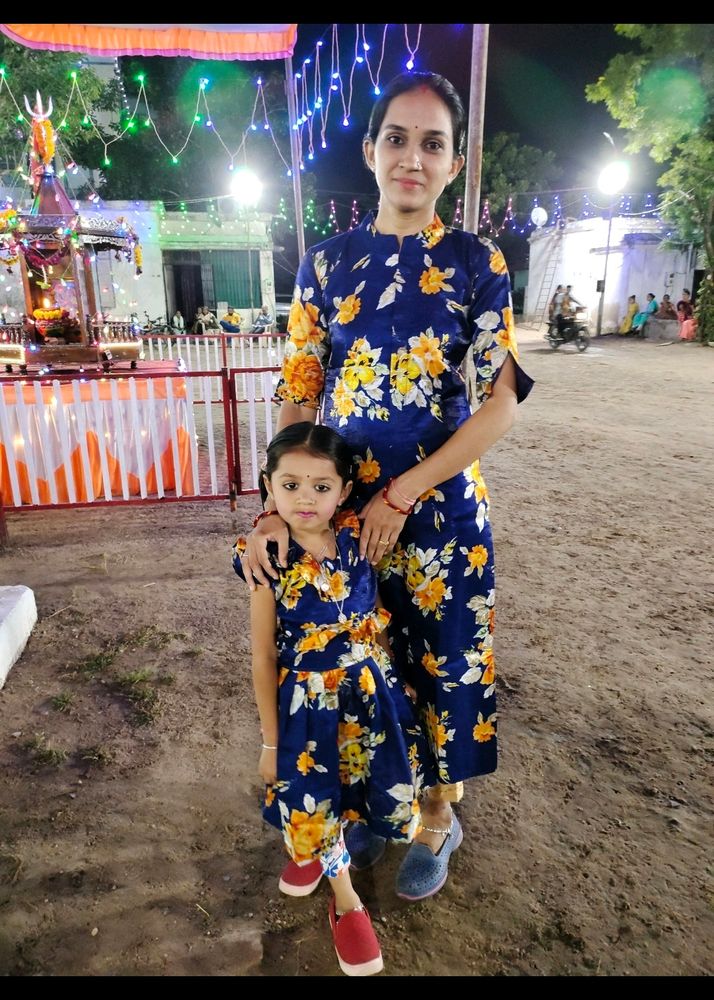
601,304
474,149
295,156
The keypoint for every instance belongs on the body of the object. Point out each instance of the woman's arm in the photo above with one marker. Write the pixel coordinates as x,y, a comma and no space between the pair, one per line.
467,444
263,623
257,566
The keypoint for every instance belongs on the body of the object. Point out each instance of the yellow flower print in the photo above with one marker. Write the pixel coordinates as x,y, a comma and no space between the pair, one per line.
332,679
348,309
428,350
354,762
302,324
437,728
434,232
305,832
351,816
305,762
497,263
476,485
291,592
366,681
477,556
348,732
358,369
432,664
269,796
343,401
430,594
489,674
404,371
368,469
433,281
317,638
347,519
303,378
413,576
484,730
506,340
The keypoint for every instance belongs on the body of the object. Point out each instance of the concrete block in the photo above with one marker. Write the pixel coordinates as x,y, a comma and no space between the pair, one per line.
662,329
18,614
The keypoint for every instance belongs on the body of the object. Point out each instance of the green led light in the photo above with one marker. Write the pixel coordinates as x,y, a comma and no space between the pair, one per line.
141,77
73,74
107,161
174,159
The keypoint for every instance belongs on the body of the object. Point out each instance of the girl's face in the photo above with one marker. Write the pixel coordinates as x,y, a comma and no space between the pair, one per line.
413,158
307,490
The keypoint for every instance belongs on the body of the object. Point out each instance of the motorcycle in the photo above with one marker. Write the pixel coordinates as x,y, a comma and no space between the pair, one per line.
569,330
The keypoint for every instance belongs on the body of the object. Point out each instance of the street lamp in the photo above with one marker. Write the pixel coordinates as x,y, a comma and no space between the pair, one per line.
611,181
246,188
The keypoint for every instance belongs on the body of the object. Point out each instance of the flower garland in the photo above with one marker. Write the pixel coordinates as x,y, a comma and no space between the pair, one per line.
8,219
37,260
43,137
47,315
138,258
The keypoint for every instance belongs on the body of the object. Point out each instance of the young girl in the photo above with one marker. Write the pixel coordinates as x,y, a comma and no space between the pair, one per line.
338,744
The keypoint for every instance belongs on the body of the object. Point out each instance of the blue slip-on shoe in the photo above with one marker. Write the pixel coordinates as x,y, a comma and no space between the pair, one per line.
365,848
423,873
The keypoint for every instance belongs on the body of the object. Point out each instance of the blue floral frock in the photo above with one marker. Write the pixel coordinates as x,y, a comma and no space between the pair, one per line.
348,740
378,333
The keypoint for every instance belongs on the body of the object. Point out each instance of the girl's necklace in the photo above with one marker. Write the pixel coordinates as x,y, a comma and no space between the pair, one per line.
326,585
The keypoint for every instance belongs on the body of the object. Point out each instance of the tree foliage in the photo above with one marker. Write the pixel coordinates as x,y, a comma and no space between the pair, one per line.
508,167
28,72
663,96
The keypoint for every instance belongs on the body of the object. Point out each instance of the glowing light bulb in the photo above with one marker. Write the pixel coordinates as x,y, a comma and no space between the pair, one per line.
410,64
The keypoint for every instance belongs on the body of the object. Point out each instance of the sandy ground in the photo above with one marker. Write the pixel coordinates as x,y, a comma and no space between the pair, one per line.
130,838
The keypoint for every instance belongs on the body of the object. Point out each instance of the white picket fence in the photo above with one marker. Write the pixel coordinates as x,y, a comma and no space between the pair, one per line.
79,440
206,352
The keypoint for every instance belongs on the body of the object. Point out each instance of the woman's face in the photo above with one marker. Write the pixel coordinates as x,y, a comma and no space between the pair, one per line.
413,158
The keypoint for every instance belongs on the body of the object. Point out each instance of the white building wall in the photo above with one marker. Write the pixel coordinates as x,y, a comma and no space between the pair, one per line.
122,292
635,265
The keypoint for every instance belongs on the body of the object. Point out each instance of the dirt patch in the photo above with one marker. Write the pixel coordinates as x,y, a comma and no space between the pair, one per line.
130,837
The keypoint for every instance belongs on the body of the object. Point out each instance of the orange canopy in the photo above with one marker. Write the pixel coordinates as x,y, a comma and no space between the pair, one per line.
202,41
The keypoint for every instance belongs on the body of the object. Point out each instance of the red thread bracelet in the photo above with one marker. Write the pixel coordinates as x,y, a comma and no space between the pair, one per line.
389,503
263,513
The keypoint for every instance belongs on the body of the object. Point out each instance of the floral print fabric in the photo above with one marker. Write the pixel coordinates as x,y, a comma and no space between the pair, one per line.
349,745
378,333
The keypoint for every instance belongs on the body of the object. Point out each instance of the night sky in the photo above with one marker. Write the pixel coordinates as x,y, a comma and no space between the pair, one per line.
535,86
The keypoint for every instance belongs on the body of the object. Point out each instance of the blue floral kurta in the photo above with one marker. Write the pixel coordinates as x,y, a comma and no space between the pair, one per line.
348,741
377,335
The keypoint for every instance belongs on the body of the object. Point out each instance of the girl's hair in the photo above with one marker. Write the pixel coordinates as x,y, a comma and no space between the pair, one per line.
314,439
405,82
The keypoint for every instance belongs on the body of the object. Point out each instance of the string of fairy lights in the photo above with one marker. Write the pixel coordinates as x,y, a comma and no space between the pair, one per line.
324,85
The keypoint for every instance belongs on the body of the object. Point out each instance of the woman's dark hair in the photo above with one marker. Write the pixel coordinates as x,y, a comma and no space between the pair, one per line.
405,82
314,439
685,291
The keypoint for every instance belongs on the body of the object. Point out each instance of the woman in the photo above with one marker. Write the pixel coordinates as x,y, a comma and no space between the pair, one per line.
381,321
640,318
666,309
685,315
632,310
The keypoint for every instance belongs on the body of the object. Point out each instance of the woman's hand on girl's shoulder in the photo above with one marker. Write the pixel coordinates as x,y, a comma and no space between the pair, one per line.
256,560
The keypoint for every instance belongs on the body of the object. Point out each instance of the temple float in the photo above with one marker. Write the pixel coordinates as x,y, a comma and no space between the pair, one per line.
54,247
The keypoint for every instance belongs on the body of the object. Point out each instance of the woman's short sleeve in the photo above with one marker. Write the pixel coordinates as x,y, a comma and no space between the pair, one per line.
491,318
303,375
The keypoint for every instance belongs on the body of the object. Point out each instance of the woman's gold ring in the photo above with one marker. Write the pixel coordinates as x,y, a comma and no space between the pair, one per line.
384,541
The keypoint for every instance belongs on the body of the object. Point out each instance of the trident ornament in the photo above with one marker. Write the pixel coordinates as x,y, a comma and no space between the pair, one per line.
38,114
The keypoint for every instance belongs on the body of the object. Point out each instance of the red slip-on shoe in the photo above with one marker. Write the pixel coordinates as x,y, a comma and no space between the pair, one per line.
356,944
300,880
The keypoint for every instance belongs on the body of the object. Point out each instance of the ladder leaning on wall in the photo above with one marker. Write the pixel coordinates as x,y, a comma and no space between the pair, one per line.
555,254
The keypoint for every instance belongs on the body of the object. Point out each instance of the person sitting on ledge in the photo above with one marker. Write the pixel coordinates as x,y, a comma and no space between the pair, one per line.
639,320
666,309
